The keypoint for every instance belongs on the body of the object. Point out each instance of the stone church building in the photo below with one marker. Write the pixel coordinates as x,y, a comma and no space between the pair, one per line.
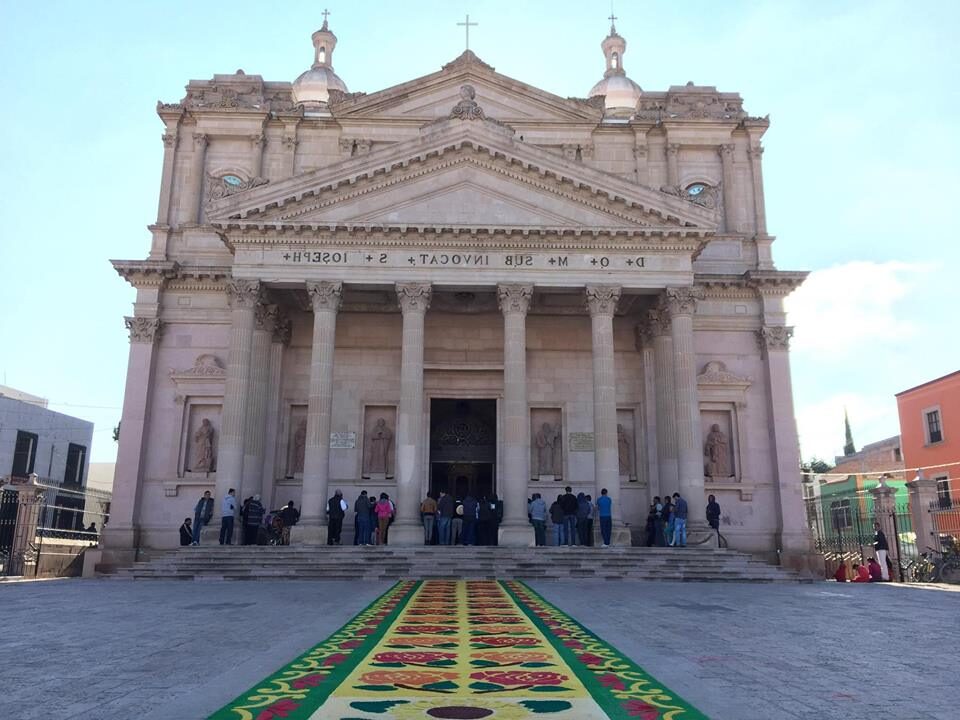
461,282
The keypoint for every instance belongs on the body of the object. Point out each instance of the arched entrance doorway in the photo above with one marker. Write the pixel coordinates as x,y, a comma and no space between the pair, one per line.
463,447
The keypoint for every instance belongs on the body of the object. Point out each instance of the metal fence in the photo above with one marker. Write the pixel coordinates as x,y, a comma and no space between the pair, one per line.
43,529
844,534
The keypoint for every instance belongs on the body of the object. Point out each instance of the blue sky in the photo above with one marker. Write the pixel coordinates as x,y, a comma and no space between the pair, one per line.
860,165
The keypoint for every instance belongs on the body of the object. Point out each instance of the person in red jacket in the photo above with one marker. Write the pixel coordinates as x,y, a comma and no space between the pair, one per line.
862,574
841,574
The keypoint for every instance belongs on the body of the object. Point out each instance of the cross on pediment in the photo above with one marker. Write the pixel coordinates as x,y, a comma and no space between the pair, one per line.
467,25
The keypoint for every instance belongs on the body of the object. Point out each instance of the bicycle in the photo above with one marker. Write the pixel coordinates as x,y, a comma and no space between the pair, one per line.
945,568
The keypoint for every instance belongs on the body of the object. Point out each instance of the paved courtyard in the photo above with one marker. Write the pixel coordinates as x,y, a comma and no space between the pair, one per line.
116,650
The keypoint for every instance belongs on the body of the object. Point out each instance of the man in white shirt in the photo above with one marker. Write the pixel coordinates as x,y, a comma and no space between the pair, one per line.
228,509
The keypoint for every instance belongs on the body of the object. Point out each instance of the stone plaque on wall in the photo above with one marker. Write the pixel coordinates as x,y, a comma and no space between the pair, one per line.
343,440
581,442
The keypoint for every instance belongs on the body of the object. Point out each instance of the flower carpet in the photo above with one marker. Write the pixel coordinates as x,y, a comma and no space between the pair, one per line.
460,650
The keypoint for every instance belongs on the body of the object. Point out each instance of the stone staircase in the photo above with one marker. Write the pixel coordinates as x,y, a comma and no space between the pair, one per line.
398,563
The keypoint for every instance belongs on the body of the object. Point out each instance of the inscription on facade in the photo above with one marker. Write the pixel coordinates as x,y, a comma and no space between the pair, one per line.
580,442
460,259
343,440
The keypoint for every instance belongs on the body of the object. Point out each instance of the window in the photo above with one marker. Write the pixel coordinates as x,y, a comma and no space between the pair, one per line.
897,455
24,454
615,60
840,514
232,180
76,457
696,189
934,431
943,493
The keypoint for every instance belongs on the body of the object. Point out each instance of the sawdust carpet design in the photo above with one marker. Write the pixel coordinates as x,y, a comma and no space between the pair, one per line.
460,650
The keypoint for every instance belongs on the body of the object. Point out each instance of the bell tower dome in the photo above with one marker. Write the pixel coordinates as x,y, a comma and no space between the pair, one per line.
620,93
312,88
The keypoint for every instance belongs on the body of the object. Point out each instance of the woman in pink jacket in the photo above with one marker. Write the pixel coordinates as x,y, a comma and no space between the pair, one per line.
384,510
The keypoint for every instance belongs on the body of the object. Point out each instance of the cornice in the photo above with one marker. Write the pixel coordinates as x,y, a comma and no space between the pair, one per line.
146,273
775,282
725,287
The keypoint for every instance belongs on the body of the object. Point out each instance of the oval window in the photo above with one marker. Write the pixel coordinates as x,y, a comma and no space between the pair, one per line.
232,180
696,189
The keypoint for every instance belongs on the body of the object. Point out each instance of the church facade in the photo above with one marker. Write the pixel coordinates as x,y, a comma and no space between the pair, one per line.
466,283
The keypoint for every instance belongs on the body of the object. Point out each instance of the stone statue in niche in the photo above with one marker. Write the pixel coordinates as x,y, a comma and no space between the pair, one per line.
299,447
378,448
623,451
716,452
548,449
203,457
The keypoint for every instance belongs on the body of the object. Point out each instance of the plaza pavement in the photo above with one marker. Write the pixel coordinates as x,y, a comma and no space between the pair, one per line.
119,650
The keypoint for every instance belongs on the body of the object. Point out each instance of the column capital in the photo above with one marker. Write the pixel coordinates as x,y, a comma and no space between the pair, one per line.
774,337
243,293
514,298
658,321
681,300
673,148
258,140
726,151
325,295
200,140
143,330
290,141
639,151
281,328
170,140
755,151
602,299
414,297
265,316
643,336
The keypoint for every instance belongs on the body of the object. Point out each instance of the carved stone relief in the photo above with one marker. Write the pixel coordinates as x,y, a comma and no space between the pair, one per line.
546,436
378,442
202,436
297,444
626,444
718,445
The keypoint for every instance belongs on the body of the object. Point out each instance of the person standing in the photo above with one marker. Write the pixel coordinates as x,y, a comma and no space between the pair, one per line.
186,533
538,516
202,514
470,510
384,510
666,522
589,542
445,509
583,510
335,515
568,503
713,513
289,517
556,518
228,509
362,510
428,515
605,513
679,521
252,520
484,521
880,547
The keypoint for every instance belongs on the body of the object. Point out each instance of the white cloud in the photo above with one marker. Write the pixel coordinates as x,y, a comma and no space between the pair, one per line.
840,310
820,423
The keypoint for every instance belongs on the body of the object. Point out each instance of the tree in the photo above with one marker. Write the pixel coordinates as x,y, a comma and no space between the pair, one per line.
116,433
816,465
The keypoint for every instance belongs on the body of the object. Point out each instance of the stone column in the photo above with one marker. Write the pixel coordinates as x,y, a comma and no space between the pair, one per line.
731,223
414,300
280,339
681,303
170,141
514,303
923,495
193,188
641,167
255,426
121,535
883,509
667,467
673,164
756,156
312,528
257,142
602,303
244,295
290,142
796,546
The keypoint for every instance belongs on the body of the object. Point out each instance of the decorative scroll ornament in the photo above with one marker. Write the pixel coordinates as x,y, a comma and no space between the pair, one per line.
709,196
602,299
325,296
414,297
658,320
681,300
775,337
514,298
145,330
467,108
715,373
282,329
205,366
265,316
243,293
223,186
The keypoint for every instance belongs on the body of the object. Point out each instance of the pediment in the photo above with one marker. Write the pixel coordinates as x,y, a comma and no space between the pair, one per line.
503,98
460,173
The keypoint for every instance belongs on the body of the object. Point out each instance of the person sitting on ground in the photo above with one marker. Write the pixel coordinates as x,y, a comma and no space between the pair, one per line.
861,574
876,572
186,533
841,574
